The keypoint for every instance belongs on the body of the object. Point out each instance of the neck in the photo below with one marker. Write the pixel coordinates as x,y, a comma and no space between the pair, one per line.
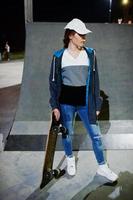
74,48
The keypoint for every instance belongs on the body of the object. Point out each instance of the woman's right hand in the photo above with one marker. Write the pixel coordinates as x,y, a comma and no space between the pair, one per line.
56,113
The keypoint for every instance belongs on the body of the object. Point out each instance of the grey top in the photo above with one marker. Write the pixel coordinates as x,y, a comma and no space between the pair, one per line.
75,75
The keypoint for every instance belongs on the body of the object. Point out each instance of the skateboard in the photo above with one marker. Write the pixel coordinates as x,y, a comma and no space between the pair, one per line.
48,172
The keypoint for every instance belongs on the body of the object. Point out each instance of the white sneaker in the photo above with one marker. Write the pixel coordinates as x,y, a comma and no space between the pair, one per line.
71,169
105,171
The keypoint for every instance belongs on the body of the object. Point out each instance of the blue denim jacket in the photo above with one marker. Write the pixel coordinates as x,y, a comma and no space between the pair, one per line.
93,99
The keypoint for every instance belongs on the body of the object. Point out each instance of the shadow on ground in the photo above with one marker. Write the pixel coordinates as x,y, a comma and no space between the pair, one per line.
123,190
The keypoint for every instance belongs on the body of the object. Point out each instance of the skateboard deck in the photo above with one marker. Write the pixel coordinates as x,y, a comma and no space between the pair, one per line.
48,172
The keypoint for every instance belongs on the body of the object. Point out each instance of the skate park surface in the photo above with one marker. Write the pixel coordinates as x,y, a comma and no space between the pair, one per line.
21,161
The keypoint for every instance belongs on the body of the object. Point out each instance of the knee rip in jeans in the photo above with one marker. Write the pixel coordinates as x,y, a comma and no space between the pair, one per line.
97,142
97,137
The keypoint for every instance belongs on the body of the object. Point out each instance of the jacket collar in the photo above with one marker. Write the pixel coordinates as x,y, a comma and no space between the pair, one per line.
60,52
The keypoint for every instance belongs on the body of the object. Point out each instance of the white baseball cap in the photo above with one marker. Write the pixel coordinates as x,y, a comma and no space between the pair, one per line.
78,26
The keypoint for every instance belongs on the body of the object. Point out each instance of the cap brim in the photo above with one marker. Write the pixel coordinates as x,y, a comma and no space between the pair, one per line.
84,32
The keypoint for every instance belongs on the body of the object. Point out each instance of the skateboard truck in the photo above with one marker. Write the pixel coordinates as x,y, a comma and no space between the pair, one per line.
49,175
48,172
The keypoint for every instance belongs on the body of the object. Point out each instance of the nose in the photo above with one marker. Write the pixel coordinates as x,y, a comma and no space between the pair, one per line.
83,40
83,37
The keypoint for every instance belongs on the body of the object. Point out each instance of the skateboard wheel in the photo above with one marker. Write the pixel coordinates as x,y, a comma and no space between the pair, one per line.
55,129
58,173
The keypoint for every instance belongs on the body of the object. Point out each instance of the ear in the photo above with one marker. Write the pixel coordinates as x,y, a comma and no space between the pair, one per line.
71,35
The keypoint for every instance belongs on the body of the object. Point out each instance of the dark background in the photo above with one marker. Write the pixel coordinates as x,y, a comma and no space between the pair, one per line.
12,25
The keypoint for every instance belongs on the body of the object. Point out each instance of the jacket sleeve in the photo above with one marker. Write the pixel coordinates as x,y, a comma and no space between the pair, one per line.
53,86
98,98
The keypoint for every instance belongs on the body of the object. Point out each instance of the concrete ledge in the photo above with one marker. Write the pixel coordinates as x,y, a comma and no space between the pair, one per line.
30,128
80,142
32,135
42,127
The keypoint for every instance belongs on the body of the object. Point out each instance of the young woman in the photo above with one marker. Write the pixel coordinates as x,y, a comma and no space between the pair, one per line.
74,89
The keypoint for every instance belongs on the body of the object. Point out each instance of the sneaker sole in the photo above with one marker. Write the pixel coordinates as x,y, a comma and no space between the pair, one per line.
108,178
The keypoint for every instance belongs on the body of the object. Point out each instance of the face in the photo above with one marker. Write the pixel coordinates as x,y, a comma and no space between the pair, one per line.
78,40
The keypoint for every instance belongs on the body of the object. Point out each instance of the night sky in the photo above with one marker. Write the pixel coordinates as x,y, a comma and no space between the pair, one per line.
12,27
87,10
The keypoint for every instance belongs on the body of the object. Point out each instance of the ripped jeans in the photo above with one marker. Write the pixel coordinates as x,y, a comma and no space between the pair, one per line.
68,114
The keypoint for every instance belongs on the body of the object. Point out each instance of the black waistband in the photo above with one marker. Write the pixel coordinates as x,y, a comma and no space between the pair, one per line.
73,95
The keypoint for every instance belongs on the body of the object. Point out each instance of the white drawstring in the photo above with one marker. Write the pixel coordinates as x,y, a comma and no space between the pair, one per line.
53,79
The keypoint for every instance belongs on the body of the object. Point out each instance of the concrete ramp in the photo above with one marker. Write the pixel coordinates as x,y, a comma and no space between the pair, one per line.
114,48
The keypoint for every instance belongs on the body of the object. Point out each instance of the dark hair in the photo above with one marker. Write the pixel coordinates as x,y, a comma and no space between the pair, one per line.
66,37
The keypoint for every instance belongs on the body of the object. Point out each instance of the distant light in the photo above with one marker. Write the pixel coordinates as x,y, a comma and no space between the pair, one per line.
125,2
